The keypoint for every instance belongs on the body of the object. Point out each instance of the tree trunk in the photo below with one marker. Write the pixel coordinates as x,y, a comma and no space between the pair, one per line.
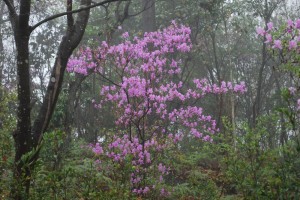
257,102
22,135
148,16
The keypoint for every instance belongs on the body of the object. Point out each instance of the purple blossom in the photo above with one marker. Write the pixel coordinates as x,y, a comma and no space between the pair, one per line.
292,44
260,31
125,35
298,23
277,44
97,149
290,23
268,38
270,26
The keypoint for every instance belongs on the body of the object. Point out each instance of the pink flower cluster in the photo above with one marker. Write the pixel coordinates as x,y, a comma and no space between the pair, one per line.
123,150
291,32
121,147
123,56
97,149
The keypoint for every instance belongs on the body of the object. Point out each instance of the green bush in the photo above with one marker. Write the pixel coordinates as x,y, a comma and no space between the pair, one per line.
258,171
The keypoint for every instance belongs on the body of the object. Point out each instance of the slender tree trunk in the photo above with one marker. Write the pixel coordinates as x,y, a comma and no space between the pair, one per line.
22,135
148,16
257,102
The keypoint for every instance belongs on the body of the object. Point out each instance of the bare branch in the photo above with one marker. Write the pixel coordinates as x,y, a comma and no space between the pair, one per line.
10,7
70,12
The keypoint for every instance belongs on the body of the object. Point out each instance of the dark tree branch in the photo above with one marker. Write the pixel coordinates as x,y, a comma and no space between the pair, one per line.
10,7
70,19
12,12
71,12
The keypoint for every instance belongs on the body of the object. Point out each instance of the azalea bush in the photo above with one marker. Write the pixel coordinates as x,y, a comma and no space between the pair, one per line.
153,109
285,41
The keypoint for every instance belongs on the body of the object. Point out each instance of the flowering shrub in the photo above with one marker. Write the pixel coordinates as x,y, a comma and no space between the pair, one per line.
153,108
286,41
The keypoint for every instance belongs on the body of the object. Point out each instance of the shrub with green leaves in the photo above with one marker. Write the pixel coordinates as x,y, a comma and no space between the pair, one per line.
258,170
